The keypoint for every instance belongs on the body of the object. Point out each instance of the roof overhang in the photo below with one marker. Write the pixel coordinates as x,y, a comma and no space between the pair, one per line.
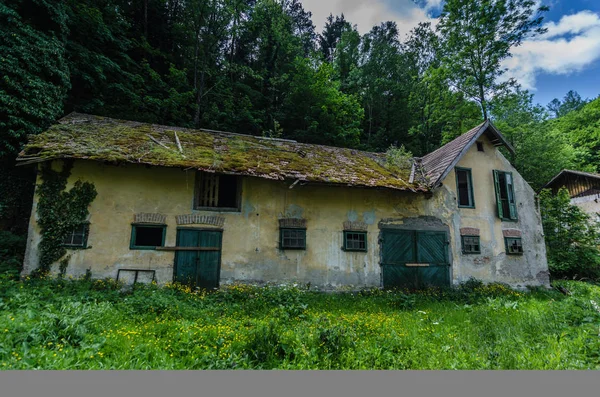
495,137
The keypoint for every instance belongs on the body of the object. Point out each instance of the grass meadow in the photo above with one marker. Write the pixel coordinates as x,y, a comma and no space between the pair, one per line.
87,324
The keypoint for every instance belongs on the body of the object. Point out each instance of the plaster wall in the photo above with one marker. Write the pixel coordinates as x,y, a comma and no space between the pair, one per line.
251,236
590,205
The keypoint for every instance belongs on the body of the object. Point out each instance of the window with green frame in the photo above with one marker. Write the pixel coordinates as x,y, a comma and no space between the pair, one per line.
513,245
147,236
470,245
464,187
355,240
77,238
292,238
505,195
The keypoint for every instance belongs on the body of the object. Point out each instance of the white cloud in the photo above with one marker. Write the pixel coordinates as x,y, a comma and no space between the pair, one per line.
569,46
366,14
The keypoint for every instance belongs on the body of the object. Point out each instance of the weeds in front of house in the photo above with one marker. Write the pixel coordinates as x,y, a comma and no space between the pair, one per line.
97,324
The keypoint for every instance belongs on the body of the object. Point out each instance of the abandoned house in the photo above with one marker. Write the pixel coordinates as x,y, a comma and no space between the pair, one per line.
583,187
208,208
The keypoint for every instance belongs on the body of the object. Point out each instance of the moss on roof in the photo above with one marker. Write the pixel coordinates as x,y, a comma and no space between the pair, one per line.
81,136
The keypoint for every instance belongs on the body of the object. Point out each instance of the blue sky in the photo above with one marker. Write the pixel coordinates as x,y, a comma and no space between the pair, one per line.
566,58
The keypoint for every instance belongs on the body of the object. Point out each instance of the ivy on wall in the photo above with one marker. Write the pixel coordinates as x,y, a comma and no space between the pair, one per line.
59,211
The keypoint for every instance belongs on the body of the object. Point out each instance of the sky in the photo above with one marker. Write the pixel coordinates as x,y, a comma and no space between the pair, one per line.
566,58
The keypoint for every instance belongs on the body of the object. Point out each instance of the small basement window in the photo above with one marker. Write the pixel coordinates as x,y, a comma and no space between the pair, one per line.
147,236
217,192
470,245
77,238
513,245
464,187
355,240
292,238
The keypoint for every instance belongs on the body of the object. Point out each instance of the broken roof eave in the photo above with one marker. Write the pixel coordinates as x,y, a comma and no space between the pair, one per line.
303,182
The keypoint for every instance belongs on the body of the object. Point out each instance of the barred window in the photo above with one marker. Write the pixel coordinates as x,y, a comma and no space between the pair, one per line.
217,192
292,238
355,240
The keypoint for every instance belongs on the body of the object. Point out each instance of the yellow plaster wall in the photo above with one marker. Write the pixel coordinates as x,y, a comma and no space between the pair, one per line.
493,261
251,236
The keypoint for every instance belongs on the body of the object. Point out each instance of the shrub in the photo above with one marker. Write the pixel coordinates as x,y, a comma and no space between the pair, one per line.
12,247
572,238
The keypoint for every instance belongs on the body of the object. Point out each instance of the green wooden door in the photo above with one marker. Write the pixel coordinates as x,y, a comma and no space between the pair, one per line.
432,250
414,259
200,267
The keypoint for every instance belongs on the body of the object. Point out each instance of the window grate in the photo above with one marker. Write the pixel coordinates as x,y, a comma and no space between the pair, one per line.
217,191
355,240
292,238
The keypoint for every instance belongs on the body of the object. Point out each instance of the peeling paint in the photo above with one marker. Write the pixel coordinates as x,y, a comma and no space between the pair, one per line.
251,242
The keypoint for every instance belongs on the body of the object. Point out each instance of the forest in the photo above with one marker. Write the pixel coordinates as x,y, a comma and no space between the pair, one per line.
262,67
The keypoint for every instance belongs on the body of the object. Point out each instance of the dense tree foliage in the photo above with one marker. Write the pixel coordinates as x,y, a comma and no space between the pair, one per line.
572,237
477,37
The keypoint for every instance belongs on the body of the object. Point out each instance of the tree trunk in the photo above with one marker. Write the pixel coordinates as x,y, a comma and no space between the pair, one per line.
146,19
482,102
199,100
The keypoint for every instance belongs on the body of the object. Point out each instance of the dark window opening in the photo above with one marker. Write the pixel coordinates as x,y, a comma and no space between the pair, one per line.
471,245
147,236
292,238
480,146
217,191
77,237
464,187
513,245
355,241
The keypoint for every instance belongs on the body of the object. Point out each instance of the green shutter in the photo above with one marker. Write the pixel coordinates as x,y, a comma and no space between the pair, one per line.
511,197
498,200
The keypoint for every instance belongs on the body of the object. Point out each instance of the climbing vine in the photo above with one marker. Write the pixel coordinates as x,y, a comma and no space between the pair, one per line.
59,211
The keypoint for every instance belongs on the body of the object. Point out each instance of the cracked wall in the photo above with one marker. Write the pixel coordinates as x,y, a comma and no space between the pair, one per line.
251,250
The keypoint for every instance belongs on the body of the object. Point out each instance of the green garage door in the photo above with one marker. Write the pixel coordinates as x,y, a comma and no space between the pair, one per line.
414,259
199,266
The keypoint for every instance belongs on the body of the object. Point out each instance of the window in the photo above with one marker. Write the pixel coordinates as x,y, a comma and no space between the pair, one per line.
292,238
513,245
77,238
355,240
464,188
505,196
480,146
470,245
147,236
217,192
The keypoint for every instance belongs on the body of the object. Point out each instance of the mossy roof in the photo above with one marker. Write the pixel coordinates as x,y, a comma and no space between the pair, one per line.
82,136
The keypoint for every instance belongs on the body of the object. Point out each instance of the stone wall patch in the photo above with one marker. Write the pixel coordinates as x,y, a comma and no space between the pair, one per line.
189,219
356,225
469,231
145,217
292,222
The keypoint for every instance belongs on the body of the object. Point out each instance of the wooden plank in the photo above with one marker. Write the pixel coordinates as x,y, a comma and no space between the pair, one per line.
188,249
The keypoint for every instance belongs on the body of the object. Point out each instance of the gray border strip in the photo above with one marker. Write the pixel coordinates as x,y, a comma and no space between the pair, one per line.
299,383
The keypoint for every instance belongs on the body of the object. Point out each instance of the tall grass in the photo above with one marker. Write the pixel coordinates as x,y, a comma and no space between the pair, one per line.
84,324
